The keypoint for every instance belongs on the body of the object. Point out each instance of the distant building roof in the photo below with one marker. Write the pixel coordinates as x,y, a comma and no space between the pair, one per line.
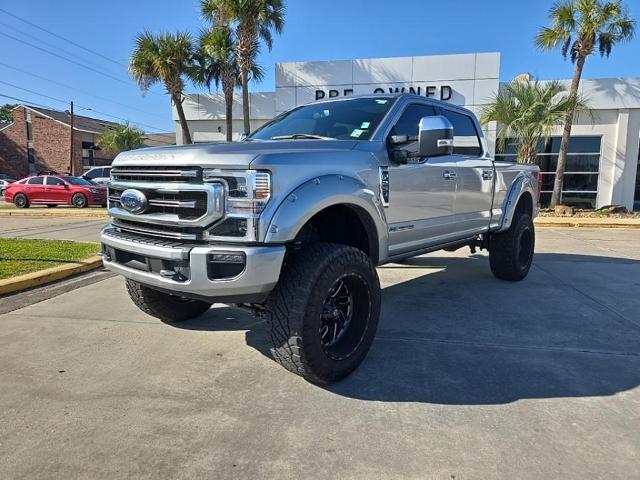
160,139
80,122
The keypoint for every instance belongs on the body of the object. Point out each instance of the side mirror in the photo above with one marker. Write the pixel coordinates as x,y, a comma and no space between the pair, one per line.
435,136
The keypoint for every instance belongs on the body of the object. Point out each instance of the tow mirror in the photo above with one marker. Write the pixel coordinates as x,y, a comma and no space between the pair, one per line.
435,137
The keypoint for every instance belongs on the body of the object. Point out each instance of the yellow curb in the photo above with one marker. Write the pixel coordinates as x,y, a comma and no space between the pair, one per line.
42,277
585,223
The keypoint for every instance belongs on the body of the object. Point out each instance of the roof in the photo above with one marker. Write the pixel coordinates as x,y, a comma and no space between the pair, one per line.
160,139
80,122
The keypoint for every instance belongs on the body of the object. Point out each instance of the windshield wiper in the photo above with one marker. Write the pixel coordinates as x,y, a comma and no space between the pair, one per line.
303,136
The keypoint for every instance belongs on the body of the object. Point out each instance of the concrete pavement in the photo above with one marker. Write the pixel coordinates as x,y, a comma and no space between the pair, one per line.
469,377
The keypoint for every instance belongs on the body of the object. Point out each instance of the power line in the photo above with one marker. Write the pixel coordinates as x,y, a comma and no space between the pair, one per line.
82,106
80,91
39,40
29,102
60,37
37,47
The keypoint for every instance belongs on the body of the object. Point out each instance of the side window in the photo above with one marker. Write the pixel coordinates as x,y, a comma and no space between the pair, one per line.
36,181
93,173
408,122
54,181
465,136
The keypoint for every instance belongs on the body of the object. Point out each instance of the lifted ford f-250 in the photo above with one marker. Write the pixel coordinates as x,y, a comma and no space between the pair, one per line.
293,220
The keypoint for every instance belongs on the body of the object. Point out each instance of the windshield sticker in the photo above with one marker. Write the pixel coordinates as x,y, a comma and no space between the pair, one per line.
357,132
365,125
381,102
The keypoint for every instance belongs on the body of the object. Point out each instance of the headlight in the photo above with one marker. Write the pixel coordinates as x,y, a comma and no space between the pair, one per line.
248,192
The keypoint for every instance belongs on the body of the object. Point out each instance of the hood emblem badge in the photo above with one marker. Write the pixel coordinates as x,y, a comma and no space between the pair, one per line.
134,201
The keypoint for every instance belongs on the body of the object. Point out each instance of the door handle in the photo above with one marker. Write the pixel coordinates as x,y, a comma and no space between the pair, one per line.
449,175
487,174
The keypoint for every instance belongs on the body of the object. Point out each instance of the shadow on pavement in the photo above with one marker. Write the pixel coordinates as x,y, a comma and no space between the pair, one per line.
459,336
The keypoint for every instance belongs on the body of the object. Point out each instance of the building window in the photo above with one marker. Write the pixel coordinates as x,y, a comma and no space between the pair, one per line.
580,186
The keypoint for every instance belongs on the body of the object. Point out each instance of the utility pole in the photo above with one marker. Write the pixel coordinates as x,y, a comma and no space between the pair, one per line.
72,149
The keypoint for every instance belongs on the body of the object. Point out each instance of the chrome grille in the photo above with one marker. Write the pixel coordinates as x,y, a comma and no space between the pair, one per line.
187,205
157,174
161,231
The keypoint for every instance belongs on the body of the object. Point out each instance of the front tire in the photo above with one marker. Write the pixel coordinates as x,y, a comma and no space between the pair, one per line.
511,252
168,308
323,315
21,201
79,200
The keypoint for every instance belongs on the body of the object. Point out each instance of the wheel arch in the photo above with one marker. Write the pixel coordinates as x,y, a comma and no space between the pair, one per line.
521,198
327,199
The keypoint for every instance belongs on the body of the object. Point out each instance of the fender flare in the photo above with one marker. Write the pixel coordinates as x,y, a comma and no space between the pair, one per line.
318,194
521,185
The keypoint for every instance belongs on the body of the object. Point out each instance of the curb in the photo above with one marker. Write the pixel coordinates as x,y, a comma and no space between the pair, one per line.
585,223
58,213
49,275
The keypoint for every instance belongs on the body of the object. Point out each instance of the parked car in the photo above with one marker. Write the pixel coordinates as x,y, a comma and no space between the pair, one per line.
98,175
293,221
54,190
4,176
4,183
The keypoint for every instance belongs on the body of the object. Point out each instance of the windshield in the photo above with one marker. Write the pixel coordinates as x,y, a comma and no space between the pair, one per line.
78,181
354,119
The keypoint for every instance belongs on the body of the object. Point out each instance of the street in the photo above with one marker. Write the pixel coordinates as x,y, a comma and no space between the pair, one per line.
80,229
469,377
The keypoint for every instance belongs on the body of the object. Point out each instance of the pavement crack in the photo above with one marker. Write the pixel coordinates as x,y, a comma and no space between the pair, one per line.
510,346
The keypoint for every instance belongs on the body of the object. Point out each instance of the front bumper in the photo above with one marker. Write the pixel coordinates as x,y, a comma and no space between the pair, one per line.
259,276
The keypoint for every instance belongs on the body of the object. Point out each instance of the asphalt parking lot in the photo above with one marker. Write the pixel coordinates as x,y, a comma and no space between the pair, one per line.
469,377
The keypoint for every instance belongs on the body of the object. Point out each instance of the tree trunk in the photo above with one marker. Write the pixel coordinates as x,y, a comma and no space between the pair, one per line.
227,90
186,136
245,101
556,196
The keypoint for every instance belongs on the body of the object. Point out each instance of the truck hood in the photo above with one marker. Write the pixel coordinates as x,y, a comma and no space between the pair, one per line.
235,155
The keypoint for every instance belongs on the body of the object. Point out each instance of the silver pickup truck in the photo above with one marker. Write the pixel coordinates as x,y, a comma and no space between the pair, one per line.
292,221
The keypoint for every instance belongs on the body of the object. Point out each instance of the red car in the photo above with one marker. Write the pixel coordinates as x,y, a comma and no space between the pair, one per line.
54,190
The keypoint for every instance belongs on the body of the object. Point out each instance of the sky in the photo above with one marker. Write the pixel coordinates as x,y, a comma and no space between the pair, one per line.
103,35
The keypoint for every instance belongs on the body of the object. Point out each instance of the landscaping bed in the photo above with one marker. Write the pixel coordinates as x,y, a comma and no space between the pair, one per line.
20,256
578,213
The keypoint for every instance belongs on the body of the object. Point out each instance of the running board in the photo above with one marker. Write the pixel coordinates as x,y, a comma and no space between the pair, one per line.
457,243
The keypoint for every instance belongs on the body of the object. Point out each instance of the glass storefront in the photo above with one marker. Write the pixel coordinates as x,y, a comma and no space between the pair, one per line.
636,199
580,186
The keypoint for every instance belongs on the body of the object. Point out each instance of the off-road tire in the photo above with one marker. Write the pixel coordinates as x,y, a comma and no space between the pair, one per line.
511,252
293,311
168,308
20,200
79,200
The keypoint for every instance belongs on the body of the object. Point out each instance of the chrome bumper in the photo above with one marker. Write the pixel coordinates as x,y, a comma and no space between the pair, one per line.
259,277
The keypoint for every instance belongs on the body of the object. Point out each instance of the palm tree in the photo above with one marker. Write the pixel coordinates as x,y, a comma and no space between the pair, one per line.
579,26
254,21
163,58
121,138
527,111
215,62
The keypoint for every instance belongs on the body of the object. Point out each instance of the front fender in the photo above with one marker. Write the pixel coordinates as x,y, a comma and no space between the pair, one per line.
315,195
523,183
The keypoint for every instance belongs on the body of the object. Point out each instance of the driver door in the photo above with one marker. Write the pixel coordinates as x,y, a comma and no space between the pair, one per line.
422,192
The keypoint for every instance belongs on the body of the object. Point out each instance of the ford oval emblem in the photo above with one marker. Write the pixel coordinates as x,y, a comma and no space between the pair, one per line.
133,201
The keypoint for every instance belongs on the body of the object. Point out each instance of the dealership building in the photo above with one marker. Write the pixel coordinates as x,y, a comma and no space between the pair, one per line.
603,164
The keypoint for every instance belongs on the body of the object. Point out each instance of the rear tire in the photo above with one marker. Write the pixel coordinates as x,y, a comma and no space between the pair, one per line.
79,200
511,252
21,201
323,315
168,308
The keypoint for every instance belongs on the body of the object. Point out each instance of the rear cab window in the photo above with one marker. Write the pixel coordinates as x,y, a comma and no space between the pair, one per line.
466,140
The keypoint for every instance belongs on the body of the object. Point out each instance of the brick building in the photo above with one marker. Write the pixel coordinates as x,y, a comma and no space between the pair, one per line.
39,139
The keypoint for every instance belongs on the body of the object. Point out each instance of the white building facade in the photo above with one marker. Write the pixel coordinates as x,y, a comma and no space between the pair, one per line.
602,167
